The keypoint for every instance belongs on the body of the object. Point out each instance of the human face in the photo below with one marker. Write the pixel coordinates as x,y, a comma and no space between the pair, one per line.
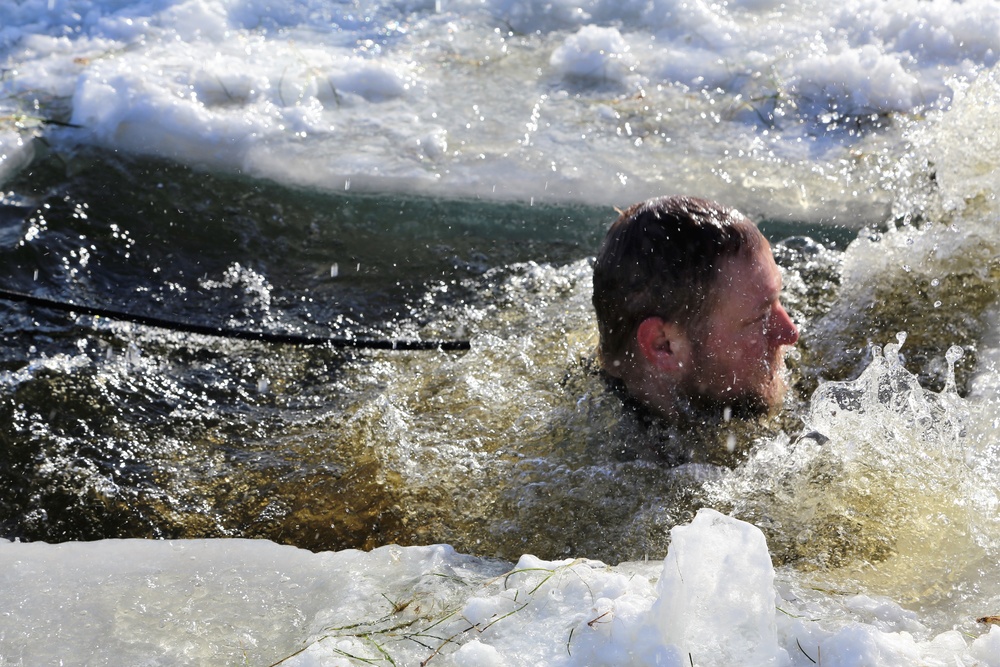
739,356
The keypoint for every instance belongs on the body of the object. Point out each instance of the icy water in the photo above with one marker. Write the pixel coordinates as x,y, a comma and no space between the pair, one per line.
316,439
445,171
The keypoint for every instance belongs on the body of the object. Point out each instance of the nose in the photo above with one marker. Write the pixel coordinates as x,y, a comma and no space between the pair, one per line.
783,331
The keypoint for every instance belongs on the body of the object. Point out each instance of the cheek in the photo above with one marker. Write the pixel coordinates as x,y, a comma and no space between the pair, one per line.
753,351
751,343
729,349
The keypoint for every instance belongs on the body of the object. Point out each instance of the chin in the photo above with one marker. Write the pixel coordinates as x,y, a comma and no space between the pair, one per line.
774,387
761,398
764,400
771,393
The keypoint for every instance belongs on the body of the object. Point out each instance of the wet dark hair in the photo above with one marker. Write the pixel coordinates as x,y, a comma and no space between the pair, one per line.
660,258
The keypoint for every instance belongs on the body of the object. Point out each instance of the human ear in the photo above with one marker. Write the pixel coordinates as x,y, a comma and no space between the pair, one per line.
664,345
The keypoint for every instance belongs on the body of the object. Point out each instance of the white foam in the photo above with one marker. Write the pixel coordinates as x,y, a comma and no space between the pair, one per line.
862,80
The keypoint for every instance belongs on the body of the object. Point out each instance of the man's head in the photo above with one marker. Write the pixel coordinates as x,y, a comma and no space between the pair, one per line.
686,293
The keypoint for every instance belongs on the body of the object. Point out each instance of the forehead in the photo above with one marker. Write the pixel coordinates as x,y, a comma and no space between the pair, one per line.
748,279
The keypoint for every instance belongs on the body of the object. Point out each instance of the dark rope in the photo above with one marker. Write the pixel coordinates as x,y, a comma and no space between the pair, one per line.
242,334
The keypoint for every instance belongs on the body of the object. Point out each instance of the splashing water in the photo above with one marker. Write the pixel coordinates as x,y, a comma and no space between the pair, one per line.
892,486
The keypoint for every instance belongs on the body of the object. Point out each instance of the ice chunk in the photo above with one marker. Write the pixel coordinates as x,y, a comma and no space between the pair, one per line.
987,648
716,597
477,654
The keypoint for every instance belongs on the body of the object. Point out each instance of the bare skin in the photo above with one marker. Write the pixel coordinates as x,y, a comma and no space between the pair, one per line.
735,357
746,335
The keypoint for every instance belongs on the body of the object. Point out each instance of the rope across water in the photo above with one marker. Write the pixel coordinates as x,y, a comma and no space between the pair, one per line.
241,334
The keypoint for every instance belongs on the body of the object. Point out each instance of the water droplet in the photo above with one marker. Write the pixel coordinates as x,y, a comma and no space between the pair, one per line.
952,356
133,357
954,353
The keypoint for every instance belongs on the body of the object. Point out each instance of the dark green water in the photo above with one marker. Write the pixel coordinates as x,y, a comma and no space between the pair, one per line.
152,232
